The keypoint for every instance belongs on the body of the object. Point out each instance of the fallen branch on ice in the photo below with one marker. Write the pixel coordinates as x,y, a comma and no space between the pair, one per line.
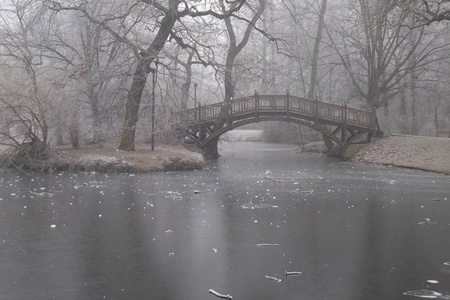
294,273
308,192
279,180
220,295
273,278
267,245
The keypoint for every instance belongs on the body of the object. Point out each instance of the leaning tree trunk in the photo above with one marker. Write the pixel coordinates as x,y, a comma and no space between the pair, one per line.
139,80
229,84
186,86
133,103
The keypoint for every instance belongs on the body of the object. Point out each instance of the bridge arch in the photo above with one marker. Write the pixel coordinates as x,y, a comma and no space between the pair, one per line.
237,124
345,125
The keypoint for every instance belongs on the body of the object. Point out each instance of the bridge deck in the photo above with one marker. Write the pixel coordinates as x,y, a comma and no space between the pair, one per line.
277,105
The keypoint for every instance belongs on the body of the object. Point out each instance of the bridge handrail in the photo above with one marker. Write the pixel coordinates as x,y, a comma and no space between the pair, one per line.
288,103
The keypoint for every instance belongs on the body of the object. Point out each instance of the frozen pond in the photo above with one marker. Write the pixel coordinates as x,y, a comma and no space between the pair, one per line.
236,227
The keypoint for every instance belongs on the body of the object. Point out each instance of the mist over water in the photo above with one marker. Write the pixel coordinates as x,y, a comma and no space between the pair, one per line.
353,231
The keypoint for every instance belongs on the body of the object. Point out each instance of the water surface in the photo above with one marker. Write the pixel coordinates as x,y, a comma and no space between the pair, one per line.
354,231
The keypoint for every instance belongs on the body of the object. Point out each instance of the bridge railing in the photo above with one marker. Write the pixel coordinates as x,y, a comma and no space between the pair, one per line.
284,103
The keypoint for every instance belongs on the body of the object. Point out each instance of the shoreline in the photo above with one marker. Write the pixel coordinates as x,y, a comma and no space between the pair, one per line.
429,154
104,157
415,152
142,160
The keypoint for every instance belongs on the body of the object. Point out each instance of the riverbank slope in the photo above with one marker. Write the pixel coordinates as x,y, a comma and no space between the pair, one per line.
417,152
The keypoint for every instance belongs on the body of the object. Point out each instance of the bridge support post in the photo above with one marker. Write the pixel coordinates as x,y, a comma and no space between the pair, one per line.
202,134
210,150
344,129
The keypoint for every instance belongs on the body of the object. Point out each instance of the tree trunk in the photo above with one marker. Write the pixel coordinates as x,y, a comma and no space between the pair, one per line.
59,130
264,81
133,103
414,77
436,120
186,86
93,101
229,84
139,80
414,125
233,51
273,82
312,86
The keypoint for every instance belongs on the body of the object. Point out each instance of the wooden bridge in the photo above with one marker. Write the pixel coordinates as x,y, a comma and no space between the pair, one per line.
342,124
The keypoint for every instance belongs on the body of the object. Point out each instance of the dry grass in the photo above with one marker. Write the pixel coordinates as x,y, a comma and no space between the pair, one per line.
418,152
105,157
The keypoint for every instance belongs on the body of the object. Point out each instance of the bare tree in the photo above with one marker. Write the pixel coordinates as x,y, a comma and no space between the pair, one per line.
235,46
100,65
323,9
430,11
146,50
26,96
377,52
